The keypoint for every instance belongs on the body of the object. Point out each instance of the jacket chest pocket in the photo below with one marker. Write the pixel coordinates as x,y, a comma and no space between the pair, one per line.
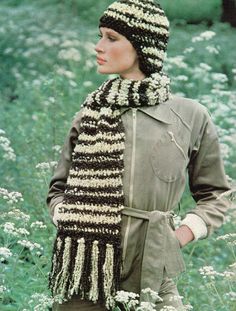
168,158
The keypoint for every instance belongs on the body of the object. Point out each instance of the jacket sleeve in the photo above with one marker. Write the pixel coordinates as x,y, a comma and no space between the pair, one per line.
58,181
207,182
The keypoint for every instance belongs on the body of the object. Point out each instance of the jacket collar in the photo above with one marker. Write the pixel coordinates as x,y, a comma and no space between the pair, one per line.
160,112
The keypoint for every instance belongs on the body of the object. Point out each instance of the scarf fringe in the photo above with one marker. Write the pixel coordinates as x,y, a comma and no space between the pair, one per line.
95,280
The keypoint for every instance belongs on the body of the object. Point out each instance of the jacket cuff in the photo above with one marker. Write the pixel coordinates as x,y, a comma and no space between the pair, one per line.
196,225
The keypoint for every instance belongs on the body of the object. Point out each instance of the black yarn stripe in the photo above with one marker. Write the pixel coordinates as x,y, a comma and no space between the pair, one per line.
88,212
111,164
100,140
105,93
97,176
85,277
82,229
113,153
140,20
102,158
142,91
83,226
85,199
108,119
99,189
92,236
131,101
102,127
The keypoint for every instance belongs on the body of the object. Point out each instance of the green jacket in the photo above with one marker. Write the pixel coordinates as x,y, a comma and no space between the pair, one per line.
166,146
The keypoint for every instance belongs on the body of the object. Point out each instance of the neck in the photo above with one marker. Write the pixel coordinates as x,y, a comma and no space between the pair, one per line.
134,76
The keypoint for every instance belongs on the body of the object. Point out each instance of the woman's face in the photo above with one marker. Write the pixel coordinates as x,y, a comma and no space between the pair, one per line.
115,54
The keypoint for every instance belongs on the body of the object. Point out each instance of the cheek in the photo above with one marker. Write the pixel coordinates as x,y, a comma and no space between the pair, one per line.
123,56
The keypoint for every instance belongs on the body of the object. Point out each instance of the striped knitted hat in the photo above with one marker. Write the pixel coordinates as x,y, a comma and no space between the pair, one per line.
145,25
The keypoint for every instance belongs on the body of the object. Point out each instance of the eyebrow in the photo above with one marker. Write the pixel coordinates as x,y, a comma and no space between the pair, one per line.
109,32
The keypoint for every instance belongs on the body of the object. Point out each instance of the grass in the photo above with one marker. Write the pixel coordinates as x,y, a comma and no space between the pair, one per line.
48,68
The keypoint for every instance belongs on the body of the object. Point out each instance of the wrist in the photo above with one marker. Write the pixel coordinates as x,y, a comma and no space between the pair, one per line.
184,234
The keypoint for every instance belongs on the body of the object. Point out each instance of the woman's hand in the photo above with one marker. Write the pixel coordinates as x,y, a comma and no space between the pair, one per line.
184,235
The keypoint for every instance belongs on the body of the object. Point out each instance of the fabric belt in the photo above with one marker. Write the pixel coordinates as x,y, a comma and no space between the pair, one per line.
161,249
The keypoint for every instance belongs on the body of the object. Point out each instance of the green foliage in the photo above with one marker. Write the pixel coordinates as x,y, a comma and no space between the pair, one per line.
48,68
90,10
192,11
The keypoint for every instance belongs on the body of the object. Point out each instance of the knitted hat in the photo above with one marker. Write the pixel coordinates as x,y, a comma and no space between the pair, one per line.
145,25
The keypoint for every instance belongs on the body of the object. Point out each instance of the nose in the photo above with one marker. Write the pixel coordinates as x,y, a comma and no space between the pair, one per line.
99,47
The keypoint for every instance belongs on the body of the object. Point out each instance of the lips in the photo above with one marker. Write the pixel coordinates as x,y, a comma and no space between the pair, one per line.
100,60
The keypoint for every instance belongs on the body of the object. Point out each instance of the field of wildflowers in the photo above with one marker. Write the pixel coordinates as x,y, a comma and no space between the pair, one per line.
47,70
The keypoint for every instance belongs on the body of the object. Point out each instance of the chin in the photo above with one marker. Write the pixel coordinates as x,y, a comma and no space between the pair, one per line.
104,71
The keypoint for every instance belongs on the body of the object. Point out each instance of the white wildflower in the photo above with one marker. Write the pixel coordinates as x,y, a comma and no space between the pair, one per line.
31,246
72,83
38,225
231,296
220,77
227,236
212,49
44,166
188,307
47,40
132,303
2,289
70,43
36,82
35,117
181,78
168,308
176,298
228,274
146,306
205,66
124,296
43,302
4,253
11,197
87,83
63,72
177,61
90,47
18,215
9,228
89,64
22,231
208,272
70,54
204,36
52,99
189,50
8,51
9,153
56,148
152,294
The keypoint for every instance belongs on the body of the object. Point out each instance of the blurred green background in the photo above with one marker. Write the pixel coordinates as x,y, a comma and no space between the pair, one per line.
48,66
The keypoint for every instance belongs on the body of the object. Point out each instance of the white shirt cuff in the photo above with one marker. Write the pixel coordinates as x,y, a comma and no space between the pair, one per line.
56,213
196,225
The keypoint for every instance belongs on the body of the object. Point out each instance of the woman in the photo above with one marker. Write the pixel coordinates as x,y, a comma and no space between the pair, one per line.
123,170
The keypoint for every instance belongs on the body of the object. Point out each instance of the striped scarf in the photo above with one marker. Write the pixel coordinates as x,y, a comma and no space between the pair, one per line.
86,257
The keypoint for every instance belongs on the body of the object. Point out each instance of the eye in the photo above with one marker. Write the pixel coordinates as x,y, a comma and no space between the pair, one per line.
112,39
99,35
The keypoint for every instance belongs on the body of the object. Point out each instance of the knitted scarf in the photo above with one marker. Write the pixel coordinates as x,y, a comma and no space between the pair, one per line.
86,257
